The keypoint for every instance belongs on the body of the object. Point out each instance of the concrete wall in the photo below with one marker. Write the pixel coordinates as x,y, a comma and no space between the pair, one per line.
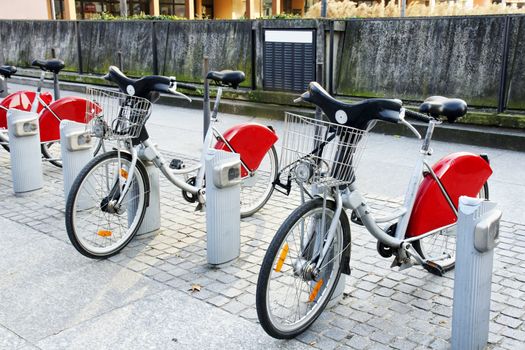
181,46
403,58
516,64
24,9
23,41
100,42
416,58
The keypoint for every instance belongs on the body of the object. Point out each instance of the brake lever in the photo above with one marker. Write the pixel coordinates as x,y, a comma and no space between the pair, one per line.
298,99
407,124
174,91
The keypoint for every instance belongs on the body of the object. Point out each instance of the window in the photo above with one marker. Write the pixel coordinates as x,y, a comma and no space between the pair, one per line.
173,7
87,9
207,9
58,6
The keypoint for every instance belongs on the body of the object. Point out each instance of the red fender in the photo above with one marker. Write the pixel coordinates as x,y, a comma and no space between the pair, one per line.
69,108
251,141
462,174
21,100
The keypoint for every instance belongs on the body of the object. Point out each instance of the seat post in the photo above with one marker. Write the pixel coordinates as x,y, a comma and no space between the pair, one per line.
206,99
56,87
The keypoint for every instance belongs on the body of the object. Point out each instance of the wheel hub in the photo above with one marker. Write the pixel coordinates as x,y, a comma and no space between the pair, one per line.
307,270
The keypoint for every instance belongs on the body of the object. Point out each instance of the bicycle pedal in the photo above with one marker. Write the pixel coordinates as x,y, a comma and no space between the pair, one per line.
177,164
356,219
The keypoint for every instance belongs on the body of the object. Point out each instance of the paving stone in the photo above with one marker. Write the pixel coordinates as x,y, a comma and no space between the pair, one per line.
358,342
335,334
376,297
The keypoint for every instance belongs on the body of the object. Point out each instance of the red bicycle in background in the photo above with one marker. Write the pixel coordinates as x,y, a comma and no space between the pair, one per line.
51,111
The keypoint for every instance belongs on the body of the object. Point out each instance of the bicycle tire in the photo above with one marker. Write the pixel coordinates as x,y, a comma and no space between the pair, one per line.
50,155
4,141
269,265
258,198
419,246
73,199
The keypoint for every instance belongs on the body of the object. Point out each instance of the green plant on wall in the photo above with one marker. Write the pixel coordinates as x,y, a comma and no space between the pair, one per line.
105,16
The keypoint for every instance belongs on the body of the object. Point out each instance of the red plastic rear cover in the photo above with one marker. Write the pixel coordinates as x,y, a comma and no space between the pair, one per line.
462,174
251,141
69,108
21,100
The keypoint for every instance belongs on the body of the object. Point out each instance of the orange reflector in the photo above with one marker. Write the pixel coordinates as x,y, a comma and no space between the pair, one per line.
124,173
104,233
280,262
316,290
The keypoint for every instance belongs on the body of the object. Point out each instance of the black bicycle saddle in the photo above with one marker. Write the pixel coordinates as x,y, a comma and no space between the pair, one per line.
227,77
436,106
7,71
54,65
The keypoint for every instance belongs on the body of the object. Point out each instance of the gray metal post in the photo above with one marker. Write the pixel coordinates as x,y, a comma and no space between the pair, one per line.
76,150
206,99
223,225
24,144
119,59
477,235
56,87
3,87
324,6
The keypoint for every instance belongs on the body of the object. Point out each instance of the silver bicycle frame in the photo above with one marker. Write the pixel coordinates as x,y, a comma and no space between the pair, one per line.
351,198
148,151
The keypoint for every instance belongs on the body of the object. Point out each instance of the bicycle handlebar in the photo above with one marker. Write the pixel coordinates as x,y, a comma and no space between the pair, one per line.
187,86
418,116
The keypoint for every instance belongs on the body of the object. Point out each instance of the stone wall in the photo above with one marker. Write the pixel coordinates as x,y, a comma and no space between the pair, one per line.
408,58
515,91
415,58
23,41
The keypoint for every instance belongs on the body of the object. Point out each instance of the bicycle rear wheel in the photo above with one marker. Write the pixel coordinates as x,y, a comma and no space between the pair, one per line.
52,153
4,140
440,247
95,224
257,189
289,296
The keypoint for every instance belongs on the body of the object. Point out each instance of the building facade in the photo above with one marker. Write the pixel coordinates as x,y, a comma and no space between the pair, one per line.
211,9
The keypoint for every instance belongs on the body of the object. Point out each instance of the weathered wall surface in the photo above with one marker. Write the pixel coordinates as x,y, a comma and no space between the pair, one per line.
516,64
412,59
181,46
23,41
403,58
100,42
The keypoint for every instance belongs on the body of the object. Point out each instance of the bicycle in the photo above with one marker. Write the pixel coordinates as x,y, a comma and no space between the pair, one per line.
108,199
310,250
51,109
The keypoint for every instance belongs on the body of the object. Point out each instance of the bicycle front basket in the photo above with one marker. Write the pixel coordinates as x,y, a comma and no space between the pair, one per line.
112,115
320,152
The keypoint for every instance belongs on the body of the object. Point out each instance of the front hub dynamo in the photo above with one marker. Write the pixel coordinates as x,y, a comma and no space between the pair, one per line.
306,269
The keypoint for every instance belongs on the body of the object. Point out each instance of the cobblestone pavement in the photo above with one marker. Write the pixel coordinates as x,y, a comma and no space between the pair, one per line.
381,308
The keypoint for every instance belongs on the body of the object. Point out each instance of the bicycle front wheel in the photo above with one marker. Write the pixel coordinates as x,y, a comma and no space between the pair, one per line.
97,225
291,291
257,188
440,247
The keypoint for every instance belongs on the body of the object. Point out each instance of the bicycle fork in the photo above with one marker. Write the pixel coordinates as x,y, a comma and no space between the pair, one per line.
112,203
